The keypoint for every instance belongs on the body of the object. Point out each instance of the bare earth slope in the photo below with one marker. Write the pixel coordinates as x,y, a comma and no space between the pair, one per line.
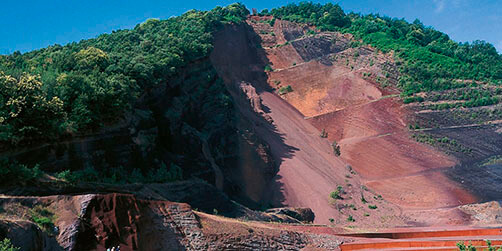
308,171
349,92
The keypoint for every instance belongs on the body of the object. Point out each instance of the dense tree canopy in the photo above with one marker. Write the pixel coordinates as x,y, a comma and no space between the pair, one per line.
81,86
325,17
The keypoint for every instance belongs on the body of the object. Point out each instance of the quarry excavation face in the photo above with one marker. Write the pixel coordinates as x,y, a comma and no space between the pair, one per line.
314,85
276,135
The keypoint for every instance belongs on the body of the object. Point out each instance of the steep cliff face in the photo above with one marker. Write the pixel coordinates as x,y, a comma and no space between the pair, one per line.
27,236
307,170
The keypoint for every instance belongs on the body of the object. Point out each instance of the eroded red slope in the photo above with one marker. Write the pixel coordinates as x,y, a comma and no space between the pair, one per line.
308,171
346,91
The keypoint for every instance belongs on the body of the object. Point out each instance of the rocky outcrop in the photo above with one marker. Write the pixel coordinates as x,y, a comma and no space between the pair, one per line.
304,215
101,221
27,236
249,93
122,220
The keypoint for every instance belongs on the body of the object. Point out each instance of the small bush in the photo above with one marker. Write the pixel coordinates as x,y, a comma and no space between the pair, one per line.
6,245
324,134
64,175
163,174
13,172
408,100
336,148
337,194
372,207
363,200
285,89
462,247
354,44
311,32
43,218
88,174
268,68
272,22
350,219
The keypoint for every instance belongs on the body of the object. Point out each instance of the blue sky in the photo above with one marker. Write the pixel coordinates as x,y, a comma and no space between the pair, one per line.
33,24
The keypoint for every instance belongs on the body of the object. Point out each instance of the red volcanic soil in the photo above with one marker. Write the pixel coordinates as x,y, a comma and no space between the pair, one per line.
101,221
308,171
117,219
374,141
369,124
319,88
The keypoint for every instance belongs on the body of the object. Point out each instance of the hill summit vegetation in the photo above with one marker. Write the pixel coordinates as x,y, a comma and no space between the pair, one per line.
430,59
70,89
77,88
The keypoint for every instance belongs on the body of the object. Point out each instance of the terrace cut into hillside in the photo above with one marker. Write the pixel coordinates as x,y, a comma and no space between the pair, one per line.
349,91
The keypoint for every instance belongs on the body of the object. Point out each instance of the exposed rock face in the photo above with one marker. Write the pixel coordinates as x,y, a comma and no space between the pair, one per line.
101,221
285,241
197,193
97,222
27,236
254,100
114,219
133,224
301,214
489,213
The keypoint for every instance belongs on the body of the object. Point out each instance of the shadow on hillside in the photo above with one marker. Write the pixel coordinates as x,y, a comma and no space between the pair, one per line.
238,58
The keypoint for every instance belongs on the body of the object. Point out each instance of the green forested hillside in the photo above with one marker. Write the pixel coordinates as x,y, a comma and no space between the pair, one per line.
82,86
430,59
